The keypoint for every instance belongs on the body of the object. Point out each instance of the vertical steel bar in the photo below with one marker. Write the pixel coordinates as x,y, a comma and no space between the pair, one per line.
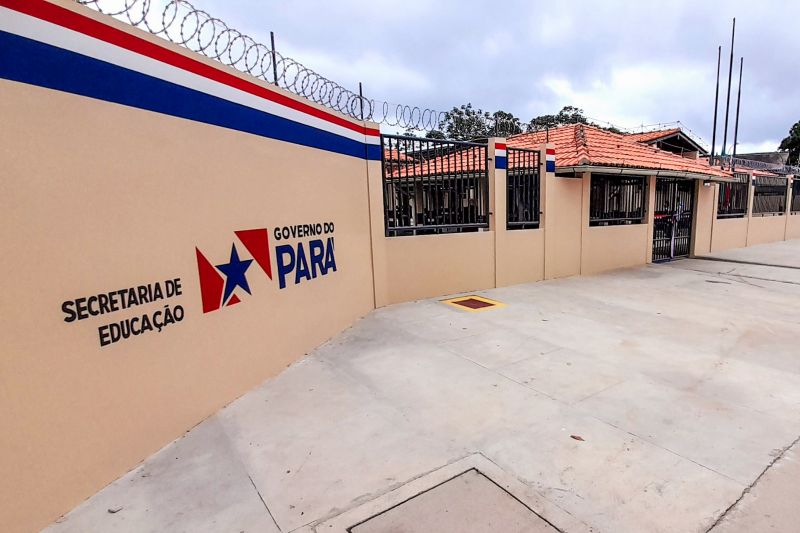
736,126
730,76
274,58
716,107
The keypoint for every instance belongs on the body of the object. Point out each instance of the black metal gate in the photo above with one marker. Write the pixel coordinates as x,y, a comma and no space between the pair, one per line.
672,225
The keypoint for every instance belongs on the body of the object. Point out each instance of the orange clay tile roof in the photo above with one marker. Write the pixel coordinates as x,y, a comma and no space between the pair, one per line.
465,161
652,135
580,144
395,156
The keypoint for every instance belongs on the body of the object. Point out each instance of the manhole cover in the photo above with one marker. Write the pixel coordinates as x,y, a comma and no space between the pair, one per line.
467,503
473,303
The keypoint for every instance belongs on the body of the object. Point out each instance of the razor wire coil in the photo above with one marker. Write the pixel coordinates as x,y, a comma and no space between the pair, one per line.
181,23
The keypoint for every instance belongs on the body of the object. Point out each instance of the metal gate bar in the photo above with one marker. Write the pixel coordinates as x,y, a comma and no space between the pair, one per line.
672,224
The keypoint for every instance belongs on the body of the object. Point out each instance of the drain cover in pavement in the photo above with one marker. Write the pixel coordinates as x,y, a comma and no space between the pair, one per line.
473,303
467,503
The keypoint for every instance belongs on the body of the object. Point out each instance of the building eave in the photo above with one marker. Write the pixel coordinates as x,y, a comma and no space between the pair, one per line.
666,173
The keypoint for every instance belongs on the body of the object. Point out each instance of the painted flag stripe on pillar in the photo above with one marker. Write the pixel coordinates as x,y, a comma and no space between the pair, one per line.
550,160
500,156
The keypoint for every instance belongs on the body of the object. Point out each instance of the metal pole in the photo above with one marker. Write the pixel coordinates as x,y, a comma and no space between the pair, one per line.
730,76
716,106
361,100
274,59
738,103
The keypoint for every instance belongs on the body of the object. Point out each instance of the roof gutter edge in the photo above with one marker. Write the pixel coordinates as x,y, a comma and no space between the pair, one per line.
644,171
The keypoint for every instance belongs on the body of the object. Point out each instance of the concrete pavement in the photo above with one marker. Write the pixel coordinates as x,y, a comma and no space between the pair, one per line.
655,399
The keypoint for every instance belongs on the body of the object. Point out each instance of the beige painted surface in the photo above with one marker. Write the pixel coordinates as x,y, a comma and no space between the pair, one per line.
793,227
97,197
762,230
562,220
424,266
520,253
704,213
610,247
520,256
729,233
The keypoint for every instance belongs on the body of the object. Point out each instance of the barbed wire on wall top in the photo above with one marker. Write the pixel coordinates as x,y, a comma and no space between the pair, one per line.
181,23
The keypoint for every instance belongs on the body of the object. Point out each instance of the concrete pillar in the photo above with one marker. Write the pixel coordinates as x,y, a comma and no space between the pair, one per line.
787,211
651,216
703,218
498,161
377,230
749,205
562,222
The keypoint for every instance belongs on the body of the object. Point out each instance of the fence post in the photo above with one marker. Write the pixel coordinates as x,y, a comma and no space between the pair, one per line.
274,58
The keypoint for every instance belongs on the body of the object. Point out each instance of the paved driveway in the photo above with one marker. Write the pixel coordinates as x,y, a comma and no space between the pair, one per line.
647,399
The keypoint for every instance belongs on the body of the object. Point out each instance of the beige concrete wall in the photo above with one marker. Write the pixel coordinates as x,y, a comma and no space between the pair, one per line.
519,253
520,256
606,248
97,197
704,214
793,226
729,233
762,230
425,266
609,247
563,223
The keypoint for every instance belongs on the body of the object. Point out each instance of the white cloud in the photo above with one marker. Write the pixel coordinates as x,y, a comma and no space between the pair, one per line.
382,75
635,94
750,148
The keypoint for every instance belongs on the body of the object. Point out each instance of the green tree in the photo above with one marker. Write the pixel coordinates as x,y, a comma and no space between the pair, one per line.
505,124
791,144
568,115
465,122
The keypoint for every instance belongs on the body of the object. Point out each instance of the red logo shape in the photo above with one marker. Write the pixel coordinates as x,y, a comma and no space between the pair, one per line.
256,242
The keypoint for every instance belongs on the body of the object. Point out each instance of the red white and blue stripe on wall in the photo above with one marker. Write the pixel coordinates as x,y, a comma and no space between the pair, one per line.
500,156
51,46
550,160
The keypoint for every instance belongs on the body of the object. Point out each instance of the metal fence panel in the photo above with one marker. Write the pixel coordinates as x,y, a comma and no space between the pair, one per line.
734,197
795,206
769,196
433,186
617,200
523,186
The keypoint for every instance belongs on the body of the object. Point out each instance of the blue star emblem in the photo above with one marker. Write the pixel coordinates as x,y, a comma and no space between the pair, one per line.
234,272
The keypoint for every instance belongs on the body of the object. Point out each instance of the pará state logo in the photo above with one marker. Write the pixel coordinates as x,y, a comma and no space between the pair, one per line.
221,285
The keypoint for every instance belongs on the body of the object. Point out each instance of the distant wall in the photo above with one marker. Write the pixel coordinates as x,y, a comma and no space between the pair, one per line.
762,230
729,233
793,226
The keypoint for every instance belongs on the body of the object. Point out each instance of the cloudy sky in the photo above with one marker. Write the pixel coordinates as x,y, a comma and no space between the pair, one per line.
625,62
